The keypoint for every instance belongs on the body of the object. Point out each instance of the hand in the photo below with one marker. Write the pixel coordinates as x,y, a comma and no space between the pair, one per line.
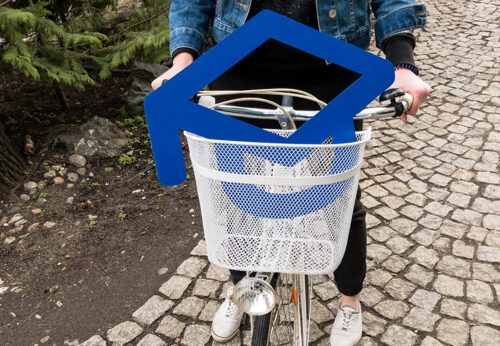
411,84
181,60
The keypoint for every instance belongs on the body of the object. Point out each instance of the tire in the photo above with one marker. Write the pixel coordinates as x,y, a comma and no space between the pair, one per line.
277,327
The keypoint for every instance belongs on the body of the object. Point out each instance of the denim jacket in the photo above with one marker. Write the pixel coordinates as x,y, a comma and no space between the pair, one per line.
348,20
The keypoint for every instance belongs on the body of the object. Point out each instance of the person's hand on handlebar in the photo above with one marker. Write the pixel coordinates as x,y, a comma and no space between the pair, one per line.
411,84
180,61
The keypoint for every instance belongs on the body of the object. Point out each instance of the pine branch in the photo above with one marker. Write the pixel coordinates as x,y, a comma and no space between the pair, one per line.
163,10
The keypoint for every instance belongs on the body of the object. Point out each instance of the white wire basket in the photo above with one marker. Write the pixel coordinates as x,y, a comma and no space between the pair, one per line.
276,207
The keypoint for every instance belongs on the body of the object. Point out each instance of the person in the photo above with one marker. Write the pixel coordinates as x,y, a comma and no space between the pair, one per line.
276,65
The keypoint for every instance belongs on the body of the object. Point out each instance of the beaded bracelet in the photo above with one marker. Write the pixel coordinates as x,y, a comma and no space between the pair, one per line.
406,66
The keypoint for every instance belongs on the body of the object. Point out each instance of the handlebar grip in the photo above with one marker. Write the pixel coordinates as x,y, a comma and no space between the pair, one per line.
408,98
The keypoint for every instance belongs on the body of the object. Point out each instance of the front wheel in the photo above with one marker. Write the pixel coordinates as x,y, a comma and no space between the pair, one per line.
288,322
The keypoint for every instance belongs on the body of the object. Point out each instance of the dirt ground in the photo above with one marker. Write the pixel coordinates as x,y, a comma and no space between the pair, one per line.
101,260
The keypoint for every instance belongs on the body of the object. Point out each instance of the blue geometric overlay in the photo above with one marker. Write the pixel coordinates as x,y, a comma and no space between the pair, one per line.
168,109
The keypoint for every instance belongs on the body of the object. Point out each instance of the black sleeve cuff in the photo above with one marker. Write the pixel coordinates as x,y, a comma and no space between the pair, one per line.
398,49
185,50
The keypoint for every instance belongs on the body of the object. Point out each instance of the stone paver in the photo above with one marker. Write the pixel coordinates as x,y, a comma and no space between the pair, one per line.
453,332
151,340
175,287
96,340
432,191
171,327
153,309
124,333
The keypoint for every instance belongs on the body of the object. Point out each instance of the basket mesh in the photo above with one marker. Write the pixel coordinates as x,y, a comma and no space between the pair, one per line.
276,207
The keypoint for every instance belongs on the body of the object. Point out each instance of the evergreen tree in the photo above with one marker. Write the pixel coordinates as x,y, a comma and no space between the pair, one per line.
55,39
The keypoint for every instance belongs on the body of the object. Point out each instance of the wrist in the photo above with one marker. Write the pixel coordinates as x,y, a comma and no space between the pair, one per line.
409,67
182,59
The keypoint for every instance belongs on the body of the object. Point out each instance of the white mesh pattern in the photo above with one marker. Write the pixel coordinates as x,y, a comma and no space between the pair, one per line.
276,207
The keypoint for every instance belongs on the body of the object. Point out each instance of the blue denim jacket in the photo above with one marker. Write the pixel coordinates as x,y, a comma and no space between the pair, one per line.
348,20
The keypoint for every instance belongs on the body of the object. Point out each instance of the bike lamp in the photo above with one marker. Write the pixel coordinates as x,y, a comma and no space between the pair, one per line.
254,296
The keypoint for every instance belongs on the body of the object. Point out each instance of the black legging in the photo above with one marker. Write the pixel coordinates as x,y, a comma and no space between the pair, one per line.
325,85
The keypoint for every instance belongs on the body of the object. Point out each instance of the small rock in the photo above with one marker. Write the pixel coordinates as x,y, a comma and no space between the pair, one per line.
59,303
10,240
77,160
20,222
33,227
38,317
15,218
70,200
3,290
73,177
44,339
108,169
50,174
24,197
162,271
92,217
30,185
36,211
58,180
41,184
70,185
81,171
17,229
49,224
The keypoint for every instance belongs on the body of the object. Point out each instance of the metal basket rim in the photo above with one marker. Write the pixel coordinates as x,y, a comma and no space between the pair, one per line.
366,135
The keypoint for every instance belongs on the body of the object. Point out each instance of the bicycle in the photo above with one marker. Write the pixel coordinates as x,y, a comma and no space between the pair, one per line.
280,212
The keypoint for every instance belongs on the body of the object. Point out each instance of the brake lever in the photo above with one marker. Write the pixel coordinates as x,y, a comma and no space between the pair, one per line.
391,95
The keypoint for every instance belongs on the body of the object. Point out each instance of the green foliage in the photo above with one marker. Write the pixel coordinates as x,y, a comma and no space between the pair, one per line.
92,223
125,160
122,216
55,39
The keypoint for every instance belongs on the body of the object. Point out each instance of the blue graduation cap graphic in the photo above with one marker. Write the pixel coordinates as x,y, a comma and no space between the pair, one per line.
169,109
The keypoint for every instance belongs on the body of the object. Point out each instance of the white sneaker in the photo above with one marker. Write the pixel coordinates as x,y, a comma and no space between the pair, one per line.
347,328
226,321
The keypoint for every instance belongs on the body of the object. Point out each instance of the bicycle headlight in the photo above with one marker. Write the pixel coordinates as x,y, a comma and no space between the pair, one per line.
254,296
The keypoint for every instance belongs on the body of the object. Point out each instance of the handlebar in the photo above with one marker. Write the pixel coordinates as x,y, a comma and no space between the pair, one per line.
399,103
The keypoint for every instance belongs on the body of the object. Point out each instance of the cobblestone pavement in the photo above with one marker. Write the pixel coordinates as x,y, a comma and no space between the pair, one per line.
432,189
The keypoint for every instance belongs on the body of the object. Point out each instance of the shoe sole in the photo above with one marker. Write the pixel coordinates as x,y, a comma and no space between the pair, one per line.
224,339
